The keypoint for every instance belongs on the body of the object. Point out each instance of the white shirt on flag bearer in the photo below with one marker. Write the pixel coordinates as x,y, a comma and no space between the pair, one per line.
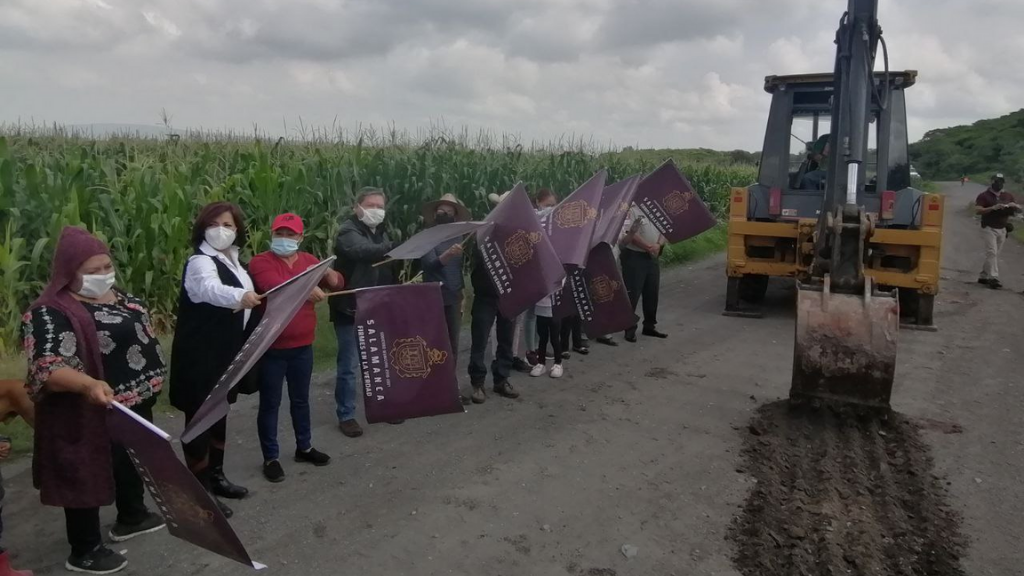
202,283
647,232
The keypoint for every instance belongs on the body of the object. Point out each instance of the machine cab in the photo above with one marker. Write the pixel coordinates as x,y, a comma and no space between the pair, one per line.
787,187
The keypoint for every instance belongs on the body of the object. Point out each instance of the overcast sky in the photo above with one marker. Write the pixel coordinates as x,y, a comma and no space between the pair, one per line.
653,73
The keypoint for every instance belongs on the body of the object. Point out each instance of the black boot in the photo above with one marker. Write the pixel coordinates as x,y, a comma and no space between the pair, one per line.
223,487
219,483
204,478
227,512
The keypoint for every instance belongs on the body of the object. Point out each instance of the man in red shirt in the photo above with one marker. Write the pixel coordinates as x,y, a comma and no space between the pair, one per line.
291,356
995,206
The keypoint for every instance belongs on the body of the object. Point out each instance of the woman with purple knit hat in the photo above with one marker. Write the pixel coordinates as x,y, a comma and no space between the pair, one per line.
89,344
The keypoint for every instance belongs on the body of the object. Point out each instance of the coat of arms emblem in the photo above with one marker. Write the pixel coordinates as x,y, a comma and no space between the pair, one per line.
412,358
575,214
677,202
519,247
602,289
184,508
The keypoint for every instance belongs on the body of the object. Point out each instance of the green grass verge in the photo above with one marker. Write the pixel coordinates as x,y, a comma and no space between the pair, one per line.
708,243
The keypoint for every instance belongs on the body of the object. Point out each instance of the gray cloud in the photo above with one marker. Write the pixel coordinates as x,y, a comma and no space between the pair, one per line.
649,72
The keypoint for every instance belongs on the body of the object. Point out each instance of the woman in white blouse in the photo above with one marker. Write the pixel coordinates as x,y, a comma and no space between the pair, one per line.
209,334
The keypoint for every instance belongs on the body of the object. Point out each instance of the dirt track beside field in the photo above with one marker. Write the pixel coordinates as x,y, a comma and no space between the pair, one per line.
642,446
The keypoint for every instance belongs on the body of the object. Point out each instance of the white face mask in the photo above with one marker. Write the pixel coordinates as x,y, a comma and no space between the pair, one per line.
96,285
220,237
372,217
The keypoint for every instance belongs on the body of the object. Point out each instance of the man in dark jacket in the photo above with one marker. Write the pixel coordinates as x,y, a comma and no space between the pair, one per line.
361,243
486,315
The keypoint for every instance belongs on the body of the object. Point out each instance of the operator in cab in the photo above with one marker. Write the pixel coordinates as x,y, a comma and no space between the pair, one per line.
817,167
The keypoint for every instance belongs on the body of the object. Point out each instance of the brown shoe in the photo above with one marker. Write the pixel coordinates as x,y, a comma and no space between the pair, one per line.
505,389
351,428
479,396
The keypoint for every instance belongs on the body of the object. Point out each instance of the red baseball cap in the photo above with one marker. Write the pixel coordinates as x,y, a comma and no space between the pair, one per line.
289,221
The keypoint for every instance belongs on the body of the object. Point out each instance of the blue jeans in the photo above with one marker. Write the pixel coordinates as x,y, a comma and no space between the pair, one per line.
348,367
530,329
296,366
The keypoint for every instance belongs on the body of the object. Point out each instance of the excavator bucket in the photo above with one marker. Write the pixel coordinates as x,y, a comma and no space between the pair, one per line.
845,347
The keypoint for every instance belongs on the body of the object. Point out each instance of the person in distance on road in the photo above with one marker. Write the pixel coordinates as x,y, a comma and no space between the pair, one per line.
995,206
291,356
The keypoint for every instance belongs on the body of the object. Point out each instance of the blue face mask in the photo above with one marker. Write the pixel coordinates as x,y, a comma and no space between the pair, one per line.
284,246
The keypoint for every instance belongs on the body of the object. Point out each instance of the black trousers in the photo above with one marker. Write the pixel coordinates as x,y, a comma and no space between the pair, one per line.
83,524
549,329
453,317
206,452
641,273
572,328
485,315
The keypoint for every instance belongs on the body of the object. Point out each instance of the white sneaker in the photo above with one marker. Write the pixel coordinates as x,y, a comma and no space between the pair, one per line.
556,371
537,370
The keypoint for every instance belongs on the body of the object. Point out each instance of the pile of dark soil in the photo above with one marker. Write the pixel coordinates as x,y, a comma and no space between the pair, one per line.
837,493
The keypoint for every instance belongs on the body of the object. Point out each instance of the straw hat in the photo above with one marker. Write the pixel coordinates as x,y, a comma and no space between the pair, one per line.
495,199
430,209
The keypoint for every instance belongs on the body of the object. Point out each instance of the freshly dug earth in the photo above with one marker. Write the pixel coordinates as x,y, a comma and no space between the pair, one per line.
837,493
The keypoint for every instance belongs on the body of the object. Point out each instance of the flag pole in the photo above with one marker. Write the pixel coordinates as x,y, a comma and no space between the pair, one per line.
354,290
388,260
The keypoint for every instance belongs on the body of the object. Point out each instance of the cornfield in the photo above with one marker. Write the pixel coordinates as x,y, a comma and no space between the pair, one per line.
141,195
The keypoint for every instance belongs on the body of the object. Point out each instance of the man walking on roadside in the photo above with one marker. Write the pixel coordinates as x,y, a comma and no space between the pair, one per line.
995,206
361,243
641,246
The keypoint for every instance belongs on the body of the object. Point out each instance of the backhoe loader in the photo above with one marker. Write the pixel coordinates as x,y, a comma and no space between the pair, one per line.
846,223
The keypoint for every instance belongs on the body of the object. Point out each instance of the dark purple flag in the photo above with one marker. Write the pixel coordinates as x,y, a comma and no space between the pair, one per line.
189,510
518,255
607,300
405,354
426,240
282,303
571,224
666,198
615,202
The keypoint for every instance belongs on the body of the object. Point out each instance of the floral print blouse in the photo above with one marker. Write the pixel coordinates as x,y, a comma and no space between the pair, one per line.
133,361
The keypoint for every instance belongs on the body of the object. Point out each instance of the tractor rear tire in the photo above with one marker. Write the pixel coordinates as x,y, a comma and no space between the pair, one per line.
753,287
917,309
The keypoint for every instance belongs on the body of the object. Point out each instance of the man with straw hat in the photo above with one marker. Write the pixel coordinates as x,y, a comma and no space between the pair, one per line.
444,263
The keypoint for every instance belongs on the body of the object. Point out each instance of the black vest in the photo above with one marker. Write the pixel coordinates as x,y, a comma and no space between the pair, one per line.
206,339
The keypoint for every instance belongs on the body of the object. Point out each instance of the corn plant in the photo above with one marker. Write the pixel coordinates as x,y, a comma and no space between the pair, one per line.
141,195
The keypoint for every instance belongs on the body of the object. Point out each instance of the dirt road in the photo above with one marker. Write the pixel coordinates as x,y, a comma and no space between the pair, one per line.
639,445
